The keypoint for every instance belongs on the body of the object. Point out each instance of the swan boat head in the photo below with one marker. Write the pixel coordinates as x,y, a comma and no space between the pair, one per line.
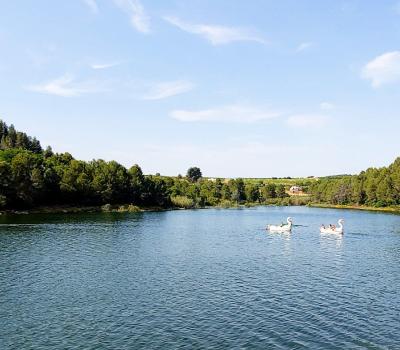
333,229
281,228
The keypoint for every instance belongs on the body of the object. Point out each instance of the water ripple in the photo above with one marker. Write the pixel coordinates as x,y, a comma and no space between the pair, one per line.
200,279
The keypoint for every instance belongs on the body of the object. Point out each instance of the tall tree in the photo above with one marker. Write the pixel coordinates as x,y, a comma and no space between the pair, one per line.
194,174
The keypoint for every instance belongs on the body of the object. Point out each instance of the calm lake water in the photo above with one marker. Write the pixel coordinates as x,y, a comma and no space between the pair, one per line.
200,279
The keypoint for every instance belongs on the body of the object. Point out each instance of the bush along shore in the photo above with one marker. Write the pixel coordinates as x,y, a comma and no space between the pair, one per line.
131,208
33,179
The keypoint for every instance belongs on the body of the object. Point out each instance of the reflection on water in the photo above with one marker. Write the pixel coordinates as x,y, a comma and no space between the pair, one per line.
336,238
199,279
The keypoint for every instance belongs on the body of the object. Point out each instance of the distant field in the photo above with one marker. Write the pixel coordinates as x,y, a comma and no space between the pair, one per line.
287,182
301,181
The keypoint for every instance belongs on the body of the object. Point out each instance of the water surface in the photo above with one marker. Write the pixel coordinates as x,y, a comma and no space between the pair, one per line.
200,279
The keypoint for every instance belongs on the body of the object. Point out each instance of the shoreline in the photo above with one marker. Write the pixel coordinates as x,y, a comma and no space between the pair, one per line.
127,208
57,209
390,210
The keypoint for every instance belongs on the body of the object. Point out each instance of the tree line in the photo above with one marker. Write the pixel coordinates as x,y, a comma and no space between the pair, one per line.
377,187
31,176
11,138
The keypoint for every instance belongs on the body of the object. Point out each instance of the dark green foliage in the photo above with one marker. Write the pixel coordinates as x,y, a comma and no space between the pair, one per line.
253,193
11,138
30,176
269,191
194,174
373,187
280,191
137,184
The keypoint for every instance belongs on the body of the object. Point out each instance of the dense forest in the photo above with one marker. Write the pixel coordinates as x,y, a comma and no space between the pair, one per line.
31,176
375,187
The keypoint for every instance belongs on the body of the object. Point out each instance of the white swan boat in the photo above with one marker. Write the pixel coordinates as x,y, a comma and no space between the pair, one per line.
282,227
333,228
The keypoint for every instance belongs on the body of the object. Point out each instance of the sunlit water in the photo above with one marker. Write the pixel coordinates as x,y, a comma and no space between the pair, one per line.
201,279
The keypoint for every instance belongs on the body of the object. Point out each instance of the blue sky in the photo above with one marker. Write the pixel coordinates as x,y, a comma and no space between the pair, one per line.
239,88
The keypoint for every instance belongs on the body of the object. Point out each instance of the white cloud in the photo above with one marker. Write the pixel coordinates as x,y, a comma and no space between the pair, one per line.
92,4
168,89
384,69
307,121
217,35
66,86
231,113
326,106
139,19
304,46
104,65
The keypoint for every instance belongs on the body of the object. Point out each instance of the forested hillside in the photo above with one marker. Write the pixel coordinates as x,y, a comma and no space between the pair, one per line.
373,187
31,177
11,138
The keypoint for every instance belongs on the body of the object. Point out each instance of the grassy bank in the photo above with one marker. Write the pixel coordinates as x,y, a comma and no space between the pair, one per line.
179,202
183,204
395,210
126,208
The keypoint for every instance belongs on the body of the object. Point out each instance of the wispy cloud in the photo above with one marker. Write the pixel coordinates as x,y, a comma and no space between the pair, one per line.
231,113
216,34
168,89
92,4
135,10
104,65
304,46
384,69
66,86
326,106
307,121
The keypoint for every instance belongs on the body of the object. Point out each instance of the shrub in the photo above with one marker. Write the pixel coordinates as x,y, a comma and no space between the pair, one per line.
133,208
182,202
300,200
3,201
106,207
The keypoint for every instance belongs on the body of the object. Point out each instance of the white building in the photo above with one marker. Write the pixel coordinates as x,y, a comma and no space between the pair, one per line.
295,189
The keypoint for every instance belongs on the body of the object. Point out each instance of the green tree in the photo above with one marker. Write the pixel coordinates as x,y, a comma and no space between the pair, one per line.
268,191
280,191
6,185
194,174
110,182
137,184
22,166
252,192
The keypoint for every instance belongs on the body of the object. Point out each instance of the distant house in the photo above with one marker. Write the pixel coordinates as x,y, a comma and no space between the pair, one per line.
296,189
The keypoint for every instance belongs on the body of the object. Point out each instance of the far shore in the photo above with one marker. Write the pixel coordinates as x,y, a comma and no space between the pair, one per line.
393,210
128,208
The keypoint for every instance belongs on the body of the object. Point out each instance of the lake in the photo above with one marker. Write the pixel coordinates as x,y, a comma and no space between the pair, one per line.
200,279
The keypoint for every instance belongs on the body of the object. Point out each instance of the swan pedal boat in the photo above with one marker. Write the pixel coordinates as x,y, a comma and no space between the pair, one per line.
337,230
281,228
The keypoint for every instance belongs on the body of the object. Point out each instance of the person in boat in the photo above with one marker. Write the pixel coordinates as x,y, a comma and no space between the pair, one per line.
323,226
